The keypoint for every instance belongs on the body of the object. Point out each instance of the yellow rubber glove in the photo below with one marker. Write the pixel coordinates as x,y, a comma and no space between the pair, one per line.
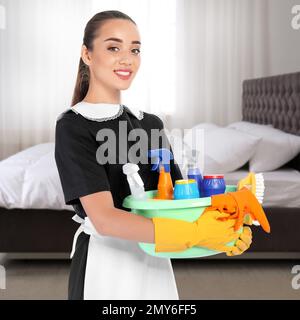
173,235
242,244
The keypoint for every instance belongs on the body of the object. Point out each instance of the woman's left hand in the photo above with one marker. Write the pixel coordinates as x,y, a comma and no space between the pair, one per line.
242,244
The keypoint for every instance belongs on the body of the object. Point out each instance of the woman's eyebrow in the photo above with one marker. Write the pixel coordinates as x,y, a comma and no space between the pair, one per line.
120,40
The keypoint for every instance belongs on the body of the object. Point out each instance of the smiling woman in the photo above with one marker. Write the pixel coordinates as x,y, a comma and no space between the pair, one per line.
110,58
105,265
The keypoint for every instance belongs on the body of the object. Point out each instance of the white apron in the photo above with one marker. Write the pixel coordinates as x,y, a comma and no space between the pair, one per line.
118,269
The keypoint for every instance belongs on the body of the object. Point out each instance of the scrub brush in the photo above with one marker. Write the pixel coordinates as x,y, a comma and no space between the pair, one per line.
254,182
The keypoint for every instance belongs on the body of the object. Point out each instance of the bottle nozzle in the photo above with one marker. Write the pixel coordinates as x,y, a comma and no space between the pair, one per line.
160,158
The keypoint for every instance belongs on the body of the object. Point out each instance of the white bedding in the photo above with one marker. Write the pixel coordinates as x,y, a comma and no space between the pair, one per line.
282,186
29,179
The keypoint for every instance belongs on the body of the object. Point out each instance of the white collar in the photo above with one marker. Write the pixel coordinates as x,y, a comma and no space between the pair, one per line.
103,111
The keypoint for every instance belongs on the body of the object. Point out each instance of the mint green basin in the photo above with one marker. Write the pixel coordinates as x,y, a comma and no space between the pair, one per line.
187,209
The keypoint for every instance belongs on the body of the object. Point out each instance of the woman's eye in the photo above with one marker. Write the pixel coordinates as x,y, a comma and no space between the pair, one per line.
112,48
138,50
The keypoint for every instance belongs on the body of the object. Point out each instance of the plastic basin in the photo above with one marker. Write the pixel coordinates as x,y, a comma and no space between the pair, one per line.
187,209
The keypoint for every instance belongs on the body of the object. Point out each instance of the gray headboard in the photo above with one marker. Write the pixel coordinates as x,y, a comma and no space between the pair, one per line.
274,100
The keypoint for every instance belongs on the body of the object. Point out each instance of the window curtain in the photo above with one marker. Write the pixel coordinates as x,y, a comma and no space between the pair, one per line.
219,43
39,50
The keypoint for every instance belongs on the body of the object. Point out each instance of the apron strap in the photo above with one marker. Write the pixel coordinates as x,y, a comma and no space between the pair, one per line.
86,226
77,219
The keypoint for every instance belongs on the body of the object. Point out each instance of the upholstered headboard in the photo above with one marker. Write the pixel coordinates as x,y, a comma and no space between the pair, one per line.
274,100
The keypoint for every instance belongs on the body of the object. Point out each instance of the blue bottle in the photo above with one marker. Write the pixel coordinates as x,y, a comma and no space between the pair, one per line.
186,189
194,173
213,184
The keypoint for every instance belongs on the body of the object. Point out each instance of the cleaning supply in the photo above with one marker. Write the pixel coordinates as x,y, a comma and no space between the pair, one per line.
255,183
213,184
188,210
160,158
186,189
207,231
193,172
135,182
239,204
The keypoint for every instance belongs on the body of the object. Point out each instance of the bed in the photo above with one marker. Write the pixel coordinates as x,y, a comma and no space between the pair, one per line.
33,215
276,101
265,101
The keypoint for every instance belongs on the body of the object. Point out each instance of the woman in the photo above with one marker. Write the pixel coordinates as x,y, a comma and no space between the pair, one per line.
107,263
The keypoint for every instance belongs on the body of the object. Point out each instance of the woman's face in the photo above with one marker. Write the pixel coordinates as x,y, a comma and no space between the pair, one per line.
120,53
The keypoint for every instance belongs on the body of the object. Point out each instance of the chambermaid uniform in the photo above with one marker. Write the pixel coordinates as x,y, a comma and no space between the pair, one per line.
105,267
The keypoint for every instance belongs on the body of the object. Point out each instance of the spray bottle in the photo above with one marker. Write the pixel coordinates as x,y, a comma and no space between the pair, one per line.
135,182
193,171
160,158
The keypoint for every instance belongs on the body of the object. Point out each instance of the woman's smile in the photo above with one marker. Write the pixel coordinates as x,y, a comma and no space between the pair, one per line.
123,74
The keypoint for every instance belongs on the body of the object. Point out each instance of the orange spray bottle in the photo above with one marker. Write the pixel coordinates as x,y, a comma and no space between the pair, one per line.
160,158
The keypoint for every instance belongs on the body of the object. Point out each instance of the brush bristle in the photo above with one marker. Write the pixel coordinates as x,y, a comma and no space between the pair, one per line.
260,187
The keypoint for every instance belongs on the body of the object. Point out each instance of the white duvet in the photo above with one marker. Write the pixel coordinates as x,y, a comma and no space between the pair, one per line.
29,179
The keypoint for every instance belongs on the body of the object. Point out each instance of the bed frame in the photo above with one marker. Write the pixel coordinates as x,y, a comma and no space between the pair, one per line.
272,100
276,100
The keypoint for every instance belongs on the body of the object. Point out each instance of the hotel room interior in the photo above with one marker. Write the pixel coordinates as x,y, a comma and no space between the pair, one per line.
228,67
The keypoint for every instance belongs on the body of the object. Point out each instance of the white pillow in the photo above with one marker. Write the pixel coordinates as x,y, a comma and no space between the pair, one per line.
275,148
29,179
224,150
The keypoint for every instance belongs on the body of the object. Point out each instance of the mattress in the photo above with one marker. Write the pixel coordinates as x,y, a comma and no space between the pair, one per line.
282,186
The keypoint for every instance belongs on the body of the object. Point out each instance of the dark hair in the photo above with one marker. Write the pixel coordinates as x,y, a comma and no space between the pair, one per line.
91,31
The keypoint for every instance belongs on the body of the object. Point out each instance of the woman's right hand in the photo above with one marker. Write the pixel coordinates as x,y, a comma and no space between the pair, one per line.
215,234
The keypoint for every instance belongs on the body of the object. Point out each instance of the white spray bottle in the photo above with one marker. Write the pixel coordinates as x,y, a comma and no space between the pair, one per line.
135,182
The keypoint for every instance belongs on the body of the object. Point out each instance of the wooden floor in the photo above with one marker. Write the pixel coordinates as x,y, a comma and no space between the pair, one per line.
196,279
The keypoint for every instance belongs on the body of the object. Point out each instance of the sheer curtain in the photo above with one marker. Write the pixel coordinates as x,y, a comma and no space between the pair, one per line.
195,53
219,43
39,51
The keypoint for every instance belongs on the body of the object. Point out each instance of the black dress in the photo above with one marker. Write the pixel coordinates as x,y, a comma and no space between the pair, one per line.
76,144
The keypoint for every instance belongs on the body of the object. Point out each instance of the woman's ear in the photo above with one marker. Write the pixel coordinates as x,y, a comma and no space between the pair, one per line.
85,55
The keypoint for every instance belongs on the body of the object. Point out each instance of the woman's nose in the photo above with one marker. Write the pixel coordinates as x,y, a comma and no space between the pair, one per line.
126,62
126,58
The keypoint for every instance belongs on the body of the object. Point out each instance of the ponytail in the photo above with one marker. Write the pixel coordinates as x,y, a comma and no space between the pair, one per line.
82,83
